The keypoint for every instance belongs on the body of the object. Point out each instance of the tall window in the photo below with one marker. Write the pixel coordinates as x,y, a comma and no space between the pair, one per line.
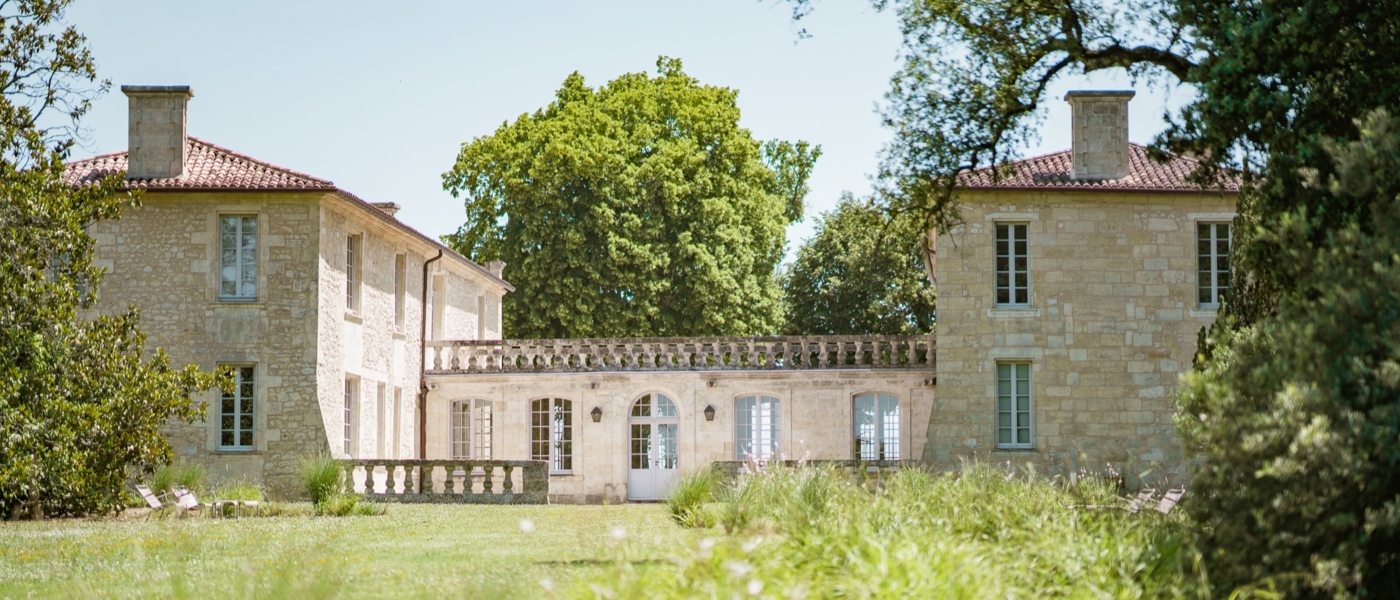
1013,272
1213,262
352,389
552,433
236,412
400,289
1014,405
397,442
756,428
381,420
471,430
876,427
238,257
353,258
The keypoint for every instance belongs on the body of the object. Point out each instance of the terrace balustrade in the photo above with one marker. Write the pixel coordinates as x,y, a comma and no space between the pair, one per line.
449,481
681,354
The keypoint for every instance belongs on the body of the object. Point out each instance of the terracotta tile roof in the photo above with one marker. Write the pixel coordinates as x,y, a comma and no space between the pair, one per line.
207,166
1051,172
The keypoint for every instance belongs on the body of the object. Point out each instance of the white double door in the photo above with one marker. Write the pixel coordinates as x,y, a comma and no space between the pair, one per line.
653,428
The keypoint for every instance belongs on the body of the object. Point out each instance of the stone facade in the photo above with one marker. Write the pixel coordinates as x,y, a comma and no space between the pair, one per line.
815,416
1111,323
297,334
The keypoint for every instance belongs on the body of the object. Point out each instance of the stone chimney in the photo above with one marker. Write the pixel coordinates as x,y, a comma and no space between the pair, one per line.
496,267
1100,124
388,208
156,130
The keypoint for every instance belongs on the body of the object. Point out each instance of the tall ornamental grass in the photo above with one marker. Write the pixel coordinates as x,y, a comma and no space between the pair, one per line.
813,532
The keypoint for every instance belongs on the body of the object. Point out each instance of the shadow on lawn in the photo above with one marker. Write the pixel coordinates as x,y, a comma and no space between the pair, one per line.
598,562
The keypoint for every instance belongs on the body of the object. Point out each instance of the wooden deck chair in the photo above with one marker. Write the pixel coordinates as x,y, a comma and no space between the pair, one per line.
1143,498
1169,500
152,500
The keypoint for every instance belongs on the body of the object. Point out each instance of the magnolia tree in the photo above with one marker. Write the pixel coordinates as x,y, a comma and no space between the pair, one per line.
640,208
79,406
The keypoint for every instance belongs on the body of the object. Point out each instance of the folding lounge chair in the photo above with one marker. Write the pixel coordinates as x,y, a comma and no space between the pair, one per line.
152,500
1169,500
186,499
1143,498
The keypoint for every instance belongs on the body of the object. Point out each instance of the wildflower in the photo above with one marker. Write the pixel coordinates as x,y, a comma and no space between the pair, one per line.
527,526
755,587
751,544
547,584
618,533
706,545
738,568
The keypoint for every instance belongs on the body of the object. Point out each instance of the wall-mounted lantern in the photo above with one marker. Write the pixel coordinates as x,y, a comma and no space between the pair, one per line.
709,412
597,414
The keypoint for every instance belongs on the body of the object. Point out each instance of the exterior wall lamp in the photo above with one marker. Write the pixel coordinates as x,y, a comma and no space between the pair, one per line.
709,412
596,413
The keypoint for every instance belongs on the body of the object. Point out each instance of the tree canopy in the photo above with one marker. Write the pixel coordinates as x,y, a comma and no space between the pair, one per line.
79,404
861,273
640,208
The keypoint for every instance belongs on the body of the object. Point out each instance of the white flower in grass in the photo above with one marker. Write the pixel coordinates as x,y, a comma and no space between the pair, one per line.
755,587
618,533
750,545
706,546
547,584
527,526
738,568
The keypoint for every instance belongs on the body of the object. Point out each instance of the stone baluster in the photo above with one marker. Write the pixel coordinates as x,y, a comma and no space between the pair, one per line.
506,483
425,480
486,482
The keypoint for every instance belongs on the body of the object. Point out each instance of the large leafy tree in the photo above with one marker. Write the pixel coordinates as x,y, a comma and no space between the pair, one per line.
861,273
78,404
640,208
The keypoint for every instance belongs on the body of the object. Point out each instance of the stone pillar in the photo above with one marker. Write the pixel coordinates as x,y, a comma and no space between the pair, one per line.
156,130
1100,134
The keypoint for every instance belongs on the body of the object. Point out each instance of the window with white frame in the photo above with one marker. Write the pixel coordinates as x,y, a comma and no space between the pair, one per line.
236,411
552,433
471,430
1213,262
876,427
353,257
1013,268
756,422
238,258
400,290
352,389
1013,405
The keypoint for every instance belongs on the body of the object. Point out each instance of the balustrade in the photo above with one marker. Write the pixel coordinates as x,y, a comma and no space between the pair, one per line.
680,354
449,481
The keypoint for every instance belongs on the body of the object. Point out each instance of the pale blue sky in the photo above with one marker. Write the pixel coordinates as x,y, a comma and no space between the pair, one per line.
379,99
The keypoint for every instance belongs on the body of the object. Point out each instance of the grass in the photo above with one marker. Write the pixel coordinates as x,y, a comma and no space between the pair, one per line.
411,551
815,533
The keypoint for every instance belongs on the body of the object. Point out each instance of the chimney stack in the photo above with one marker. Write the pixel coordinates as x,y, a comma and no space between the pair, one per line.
388,208
1100,134
156,130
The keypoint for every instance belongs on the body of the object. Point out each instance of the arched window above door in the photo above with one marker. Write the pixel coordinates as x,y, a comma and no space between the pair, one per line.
654,406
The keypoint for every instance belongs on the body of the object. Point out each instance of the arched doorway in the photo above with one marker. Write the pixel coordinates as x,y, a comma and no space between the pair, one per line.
653,426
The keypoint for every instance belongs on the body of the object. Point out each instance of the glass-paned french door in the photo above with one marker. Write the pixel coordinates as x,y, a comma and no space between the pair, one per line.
756,428
1014,405
653,452
236,411
876,427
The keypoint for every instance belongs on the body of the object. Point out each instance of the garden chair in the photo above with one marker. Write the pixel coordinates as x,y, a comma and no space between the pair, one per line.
152,499
184,498
1169,500
1143,498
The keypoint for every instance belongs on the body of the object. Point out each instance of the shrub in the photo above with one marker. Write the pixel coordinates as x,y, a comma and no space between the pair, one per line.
1297,417
688,496
345,505
239,489
185,474
322,475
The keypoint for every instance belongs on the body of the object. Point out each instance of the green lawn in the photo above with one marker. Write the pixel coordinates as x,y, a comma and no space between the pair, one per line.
412,551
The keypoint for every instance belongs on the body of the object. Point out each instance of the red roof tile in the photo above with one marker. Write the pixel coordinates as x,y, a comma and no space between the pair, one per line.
207,166
1051,172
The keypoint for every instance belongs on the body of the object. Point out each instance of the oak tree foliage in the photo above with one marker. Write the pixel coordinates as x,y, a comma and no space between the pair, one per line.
639,208
79,405
861,273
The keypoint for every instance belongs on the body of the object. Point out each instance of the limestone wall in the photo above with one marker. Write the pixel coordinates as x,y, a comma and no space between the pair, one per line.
815,416
163,258
1112,322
